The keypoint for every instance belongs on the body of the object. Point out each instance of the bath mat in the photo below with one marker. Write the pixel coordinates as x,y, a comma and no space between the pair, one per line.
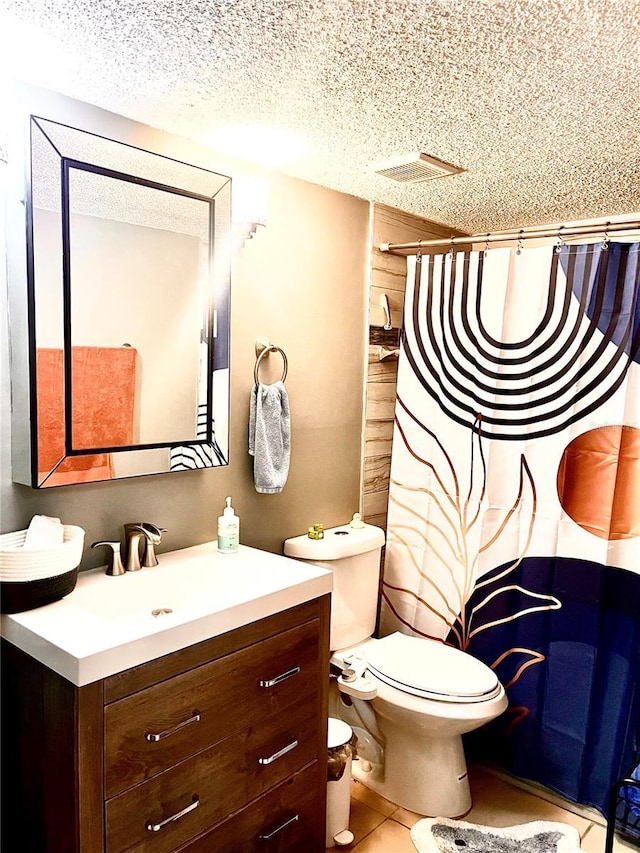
442,835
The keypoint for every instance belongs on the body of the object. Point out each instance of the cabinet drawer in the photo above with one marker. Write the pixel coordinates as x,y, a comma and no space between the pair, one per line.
290,817
156,728
204,789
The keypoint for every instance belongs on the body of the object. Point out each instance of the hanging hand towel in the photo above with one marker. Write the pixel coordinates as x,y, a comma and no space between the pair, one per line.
269,437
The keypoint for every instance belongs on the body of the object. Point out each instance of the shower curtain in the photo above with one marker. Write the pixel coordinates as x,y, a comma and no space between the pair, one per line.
514,503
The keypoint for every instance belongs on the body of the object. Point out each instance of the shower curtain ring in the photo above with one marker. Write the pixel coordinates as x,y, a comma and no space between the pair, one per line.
606,242
558,245
486,244
520,247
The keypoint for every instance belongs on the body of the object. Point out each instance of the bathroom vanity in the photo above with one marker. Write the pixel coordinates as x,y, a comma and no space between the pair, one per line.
195,730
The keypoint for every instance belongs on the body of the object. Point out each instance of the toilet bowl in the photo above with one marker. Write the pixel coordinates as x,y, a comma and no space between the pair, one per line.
427,696
408,699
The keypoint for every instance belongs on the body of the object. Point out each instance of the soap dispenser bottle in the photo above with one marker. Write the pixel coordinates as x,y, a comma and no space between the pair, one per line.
228,530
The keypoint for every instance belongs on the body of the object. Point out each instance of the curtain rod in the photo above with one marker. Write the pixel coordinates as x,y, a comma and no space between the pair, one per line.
562,231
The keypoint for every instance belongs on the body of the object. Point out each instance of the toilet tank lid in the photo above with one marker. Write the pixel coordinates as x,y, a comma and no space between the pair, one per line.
338,542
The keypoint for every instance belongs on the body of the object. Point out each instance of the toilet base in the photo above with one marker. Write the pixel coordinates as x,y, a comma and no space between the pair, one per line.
427,776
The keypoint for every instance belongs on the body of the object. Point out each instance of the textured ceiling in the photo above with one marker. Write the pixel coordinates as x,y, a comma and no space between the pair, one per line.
538,100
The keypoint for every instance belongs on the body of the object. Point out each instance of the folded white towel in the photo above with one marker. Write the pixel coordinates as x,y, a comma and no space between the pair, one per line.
270,437
43,531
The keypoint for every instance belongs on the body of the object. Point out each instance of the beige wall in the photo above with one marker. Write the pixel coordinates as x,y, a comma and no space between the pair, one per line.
388,276
302,283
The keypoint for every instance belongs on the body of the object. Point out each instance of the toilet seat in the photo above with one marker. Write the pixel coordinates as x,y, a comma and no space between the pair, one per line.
430,670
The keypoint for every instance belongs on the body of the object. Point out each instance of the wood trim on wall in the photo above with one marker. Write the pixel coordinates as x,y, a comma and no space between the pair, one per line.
388,276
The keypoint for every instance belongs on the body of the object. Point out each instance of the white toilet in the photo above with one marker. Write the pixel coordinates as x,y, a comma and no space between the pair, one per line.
409,699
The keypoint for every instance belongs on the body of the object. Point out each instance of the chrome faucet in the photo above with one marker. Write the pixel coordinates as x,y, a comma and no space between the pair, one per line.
151,534
133,533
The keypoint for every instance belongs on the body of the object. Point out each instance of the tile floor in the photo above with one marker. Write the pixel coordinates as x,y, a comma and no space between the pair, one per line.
382,827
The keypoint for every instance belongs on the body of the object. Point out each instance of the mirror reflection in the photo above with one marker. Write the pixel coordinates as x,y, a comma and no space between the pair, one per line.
129,282
150,273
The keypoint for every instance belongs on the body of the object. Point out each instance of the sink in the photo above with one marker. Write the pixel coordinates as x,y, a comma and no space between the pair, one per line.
187,583
143,596
108,624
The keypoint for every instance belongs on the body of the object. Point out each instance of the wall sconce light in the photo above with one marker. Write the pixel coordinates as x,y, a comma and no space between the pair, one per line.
249,198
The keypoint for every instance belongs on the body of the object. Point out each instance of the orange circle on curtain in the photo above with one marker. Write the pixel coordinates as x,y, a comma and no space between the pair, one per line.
599,481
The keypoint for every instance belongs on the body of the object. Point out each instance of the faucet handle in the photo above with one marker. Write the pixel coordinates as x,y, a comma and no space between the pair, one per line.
115,566
152,537
153,531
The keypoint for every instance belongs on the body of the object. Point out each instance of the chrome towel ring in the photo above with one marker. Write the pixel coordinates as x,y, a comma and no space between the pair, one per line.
266,351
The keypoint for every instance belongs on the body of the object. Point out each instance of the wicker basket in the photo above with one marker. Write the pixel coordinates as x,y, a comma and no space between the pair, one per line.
17,596
29,564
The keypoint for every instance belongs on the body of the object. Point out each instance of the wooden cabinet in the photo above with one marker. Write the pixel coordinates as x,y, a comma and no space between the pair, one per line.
220,746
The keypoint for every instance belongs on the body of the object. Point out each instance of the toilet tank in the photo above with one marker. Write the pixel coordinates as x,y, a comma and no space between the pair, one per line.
353,555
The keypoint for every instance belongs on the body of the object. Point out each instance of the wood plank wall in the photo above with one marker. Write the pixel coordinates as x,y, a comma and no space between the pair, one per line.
388,276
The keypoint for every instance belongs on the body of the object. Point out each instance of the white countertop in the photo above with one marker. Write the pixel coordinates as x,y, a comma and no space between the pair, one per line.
105,625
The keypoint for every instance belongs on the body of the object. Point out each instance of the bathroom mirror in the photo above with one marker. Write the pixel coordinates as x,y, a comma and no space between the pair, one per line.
127,294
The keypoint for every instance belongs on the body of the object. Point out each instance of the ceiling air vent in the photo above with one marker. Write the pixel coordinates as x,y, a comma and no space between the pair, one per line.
411,168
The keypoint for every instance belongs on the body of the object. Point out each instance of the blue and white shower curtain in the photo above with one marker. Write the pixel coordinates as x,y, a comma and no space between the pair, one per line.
514,504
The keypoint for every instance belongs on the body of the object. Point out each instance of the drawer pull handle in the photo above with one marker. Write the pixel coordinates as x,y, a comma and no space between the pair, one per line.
280,678
279,753
268,836
156,827
154,738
